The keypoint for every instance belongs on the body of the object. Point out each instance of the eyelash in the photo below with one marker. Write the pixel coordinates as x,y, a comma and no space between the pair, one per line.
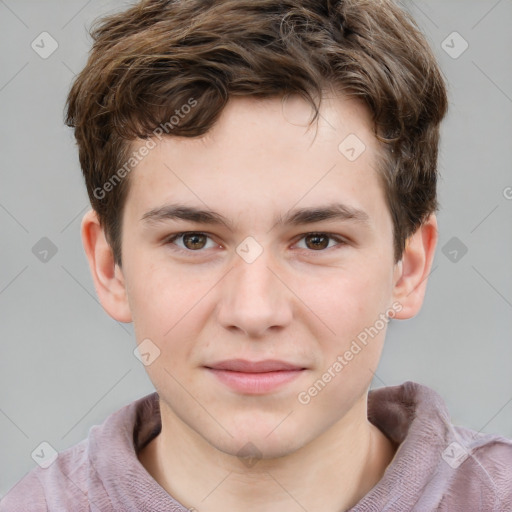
169,240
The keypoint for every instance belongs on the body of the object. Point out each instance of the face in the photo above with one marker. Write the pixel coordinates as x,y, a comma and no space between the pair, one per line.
268,282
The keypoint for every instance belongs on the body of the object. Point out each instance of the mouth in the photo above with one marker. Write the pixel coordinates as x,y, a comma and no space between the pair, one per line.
244,366
255,377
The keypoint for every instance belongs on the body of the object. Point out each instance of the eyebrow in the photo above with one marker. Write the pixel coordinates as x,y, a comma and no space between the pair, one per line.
296,217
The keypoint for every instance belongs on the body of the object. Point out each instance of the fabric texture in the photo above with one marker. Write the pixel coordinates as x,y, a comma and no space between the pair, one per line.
437,466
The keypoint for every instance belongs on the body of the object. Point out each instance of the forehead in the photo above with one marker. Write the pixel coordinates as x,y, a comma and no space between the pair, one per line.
262,153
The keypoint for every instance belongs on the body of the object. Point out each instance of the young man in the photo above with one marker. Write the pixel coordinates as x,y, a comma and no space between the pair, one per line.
263,183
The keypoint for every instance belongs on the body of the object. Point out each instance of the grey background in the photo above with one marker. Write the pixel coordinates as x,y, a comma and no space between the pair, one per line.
66,365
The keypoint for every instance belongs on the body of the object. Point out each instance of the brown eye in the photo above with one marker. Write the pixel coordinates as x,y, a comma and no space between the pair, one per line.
194,241
317,241
321,242
190,242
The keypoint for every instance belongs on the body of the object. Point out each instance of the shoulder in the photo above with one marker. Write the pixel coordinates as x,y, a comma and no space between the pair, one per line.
480,466
491,451
60,486
26,496
88,476
445,467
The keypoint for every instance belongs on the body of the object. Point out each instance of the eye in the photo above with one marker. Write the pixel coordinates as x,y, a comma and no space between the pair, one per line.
193,241
320,241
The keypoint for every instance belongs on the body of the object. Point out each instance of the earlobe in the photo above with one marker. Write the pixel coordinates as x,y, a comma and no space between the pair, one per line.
107,276
414,268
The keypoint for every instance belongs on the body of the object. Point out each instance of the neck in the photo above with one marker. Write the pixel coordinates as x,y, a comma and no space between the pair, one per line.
333,472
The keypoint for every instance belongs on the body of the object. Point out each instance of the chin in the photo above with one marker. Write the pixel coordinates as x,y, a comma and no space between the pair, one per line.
268,440
250,450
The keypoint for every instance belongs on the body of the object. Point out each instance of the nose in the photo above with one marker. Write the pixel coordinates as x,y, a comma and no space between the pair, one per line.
254,297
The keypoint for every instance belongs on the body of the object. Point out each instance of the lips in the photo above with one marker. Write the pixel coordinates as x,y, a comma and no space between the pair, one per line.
255,377
244,366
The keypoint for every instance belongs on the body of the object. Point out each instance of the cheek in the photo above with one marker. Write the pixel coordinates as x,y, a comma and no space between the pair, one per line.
352,308
352,305
159,293
350,302
171,308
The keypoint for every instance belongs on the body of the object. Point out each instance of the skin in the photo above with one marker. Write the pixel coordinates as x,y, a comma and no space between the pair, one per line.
295,302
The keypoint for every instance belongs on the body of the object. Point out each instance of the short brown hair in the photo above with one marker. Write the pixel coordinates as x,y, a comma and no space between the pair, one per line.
150,60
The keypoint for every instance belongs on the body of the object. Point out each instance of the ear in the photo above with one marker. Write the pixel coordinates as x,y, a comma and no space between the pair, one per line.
107,276
411,272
